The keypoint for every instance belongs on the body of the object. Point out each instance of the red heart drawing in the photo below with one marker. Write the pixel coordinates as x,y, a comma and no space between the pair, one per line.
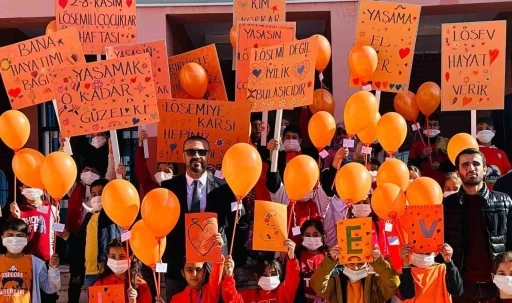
65,121
367,257
377,84
66,80
201,237
384,84
133,36
255,45
355,81
129,2
309,84
133,80
403,52
480,100
448,43
475,72
147,79
63,3
87,85
466,101
14,92
493,54
447,76
33,74
95,126
413,18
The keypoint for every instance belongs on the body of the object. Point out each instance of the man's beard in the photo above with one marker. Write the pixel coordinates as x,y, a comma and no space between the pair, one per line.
197,168
472,181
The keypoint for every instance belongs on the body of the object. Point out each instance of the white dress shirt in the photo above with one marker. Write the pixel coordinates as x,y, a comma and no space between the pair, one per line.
190,190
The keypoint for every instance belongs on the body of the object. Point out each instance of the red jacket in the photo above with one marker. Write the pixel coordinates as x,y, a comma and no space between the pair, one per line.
74,216
285,292
210,293
143,292
146,181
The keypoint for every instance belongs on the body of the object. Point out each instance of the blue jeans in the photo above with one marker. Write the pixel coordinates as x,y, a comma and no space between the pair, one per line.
90,279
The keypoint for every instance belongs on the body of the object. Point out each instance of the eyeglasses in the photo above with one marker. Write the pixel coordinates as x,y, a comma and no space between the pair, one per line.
193,152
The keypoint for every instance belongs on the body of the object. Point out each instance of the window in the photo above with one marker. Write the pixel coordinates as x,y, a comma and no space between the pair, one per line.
128,143
49,127
4,189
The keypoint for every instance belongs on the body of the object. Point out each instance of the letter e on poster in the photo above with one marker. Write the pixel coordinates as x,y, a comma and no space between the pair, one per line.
200,231
107,294
355,240
425,227
270,230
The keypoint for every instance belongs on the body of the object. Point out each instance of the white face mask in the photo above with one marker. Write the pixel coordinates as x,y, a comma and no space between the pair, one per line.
361,210
291,145
117,267
374,175
161,176
88,177
14,245
96,204
431,132
32,193
355,275
485,136
312,243
98,141
448,193
308,196
422,261
269,283
504,283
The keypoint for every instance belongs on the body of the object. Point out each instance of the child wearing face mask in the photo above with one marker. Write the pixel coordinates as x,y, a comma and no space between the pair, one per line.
271,289
502,278
452,184
24,276
423,279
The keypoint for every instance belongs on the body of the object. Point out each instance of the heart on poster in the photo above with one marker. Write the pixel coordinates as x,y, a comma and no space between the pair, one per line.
173,146
63,3
447,76
257,71
14,92
493,54
300,70
404,52
135,120
466,101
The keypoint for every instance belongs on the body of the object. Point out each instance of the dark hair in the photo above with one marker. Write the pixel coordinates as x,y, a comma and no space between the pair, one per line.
195,138
173,166
318,225
256,117
470,151
135,265
433,117
374,161
486,120
272,263
16,225
99,182
292,129
501,258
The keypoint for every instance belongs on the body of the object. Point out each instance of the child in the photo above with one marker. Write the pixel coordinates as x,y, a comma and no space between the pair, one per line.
414,173
115,273
452,183
194,274
356,284
502,277
23,276
271,288
426,279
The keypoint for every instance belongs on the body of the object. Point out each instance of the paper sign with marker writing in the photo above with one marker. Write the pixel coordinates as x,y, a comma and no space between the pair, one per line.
25,66
200,231
425,227
355,240
255,35
282,76
206,57
270,226
105,95
107,294
221,123
100,23
157,50
391,29
473,65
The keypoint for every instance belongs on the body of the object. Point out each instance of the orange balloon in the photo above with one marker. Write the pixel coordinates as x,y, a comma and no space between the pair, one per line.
424,191
300,177
321,129
241,167
58,174
232,36
359,110
388,201
144,245
458,143
323,55
391,131
362,61
157,202
194,80
14,129
353,182
51,27
393,171
121,202
406,105
322,101
26,165
428,97
369,134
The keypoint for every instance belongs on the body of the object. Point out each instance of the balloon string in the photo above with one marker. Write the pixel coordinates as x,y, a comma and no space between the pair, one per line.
159,276
292,215
55,219
239,202
14,184
129,262
428,140
156,282
399,230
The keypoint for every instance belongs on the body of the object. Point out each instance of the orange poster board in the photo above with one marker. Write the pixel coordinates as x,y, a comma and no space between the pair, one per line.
282,76
107,294
270,230
206,57
157,50
105,95
100,23
200,230
473,65
391,29
25,66
222,123
355,240
254,35
259,10
425,227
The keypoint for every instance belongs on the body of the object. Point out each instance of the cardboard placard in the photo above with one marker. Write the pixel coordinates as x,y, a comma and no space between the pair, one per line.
259,10
391,29
270,226
99,23
255,35
107,294
25,66
206,57
355,240
200,230
425,227
282,76
221,123
105,95
473,65
157,50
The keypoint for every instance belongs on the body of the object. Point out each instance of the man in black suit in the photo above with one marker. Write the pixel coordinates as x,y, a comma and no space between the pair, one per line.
197,191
